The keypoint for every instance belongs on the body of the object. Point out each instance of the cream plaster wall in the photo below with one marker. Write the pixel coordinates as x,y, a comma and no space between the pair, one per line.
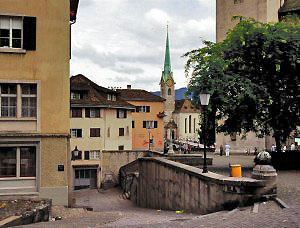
179,119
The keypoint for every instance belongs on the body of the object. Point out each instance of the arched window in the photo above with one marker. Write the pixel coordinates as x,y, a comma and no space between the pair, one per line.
169,92
190,124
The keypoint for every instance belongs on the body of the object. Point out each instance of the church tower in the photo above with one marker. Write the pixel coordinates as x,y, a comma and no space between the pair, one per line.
167,85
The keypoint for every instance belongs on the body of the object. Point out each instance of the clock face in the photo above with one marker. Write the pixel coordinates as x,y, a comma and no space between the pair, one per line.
169,83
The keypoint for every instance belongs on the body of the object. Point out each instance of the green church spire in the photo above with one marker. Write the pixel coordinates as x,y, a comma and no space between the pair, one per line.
167,66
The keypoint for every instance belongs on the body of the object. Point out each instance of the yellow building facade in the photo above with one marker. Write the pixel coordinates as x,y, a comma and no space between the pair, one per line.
34,98
147,120
260,10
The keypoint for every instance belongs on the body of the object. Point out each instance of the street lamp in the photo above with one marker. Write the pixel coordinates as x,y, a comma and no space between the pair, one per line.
75,153
204,99
149,131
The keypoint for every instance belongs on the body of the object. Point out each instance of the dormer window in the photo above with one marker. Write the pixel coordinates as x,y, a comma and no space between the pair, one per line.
76,96
109,97
114,97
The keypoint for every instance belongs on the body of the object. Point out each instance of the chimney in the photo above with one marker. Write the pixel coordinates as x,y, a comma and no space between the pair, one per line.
128,86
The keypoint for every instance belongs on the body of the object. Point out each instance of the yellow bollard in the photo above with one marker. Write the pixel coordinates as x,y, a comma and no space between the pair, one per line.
236,170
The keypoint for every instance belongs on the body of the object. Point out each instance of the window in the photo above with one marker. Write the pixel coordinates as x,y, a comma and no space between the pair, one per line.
150,124
17,32
169,92
194,125
121,131
142,108
121,147
18,161
8,100
114,97
121,113
94,132
132,123
109,97
76,96
11,98
76,112
76,133
28,100
95,154
190,124
185,125
92,113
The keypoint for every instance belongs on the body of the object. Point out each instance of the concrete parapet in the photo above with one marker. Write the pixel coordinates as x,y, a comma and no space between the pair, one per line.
168,185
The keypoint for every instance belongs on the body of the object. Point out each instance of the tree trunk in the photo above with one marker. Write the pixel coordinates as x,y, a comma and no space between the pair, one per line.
278,141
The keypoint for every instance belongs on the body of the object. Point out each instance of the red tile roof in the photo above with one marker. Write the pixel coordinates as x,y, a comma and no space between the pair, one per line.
139,95
185,106
95,95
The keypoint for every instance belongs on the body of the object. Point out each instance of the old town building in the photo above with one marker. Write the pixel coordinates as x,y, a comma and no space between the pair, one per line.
34,99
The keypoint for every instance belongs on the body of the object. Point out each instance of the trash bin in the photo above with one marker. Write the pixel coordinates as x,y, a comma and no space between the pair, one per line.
236,170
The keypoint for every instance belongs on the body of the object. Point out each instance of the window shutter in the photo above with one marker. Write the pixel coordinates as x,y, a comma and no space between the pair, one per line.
97,113
87,112
79,155
29,33
86,155
144,124
125,113
118,113
155,124
147,108
79,133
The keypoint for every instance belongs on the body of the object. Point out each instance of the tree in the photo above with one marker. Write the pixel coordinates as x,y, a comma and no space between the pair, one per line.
253,76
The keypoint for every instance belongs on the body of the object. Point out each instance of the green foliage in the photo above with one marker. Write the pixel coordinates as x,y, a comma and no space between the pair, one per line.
253,77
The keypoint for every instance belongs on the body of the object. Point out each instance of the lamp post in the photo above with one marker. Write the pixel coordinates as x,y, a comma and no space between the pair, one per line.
75,152
149,131
204,99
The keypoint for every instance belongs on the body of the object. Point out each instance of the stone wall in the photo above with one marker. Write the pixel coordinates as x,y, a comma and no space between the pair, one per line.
168,185
113,160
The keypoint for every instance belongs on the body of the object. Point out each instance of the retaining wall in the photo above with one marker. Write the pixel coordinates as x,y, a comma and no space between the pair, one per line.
168,185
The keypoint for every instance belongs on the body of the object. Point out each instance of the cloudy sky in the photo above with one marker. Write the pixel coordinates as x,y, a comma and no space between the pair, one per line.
121,42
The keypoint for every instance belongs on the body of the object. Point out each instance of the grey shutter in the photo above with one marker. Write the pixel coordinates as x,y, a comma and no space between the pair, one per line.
29,33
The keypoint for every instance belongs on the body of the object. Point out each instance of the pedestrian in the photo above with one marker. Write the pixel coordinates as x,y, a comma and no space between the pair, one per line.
221,150
273,148
247,151
227,149
284,148
255,151
293,147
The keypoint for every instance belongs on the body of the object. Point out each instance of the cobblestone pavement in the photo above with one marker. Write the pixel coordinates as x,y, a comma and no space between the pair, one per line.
111,210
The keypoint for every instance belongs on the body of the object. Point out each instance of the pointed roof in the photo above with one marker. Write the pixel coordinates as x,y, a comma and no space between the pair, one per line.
167,65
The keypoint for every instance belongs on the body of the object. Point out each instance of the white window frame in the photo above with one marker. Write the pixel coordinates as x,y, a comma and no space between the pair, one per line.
94,155
10,31
8,96
114,97
109,97
149,123
74,133
76,96
28,96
